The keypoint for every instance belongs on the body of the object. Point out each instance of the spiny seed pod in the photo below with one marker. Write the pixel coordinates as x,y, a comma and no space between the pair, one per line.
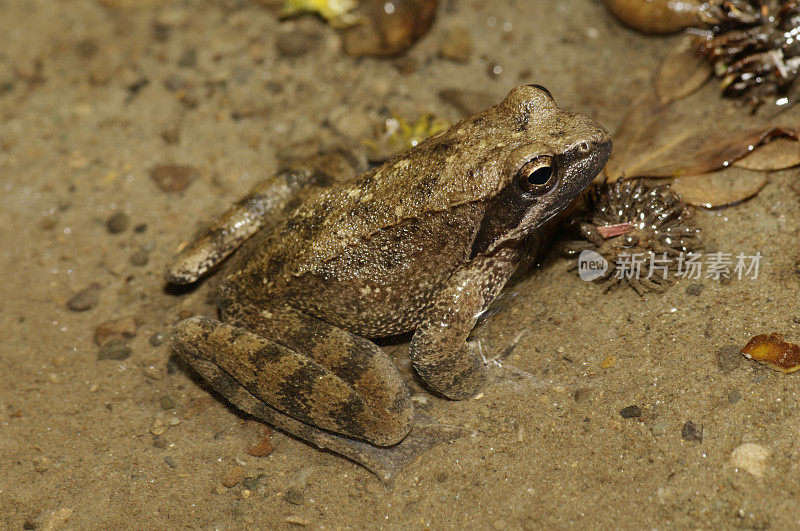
630,222
753,45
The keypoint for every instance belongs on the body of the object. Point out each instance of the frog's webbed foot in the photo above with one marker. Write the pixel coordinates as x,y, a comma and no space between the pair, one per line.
265,205
383,461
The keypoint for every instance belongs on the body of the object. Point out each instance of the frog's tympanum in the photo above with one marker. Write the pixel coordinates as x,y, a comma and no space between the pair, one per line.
421,244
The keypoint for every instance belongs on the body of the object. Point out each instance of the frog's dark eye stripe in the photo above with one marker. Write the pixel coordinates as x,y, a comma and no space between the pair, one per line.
543,89
537,175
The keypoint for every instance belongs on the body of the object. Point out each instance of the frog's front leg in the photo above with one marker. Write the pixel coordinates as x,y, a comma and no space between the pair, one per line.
266,204
318,374
439,349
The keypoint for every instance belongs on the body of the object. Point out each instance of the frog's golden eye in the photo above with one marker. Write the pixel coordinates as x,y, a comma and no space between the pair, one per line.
537,175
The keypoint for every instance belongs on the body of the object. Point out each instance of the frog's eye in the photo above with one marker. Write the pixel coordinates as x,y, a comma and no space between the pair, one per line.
543,89
537,175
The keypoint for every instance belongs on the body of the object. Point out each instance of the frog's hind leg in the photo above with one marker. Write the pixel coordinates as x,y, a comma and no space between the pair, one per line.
357,394
265,205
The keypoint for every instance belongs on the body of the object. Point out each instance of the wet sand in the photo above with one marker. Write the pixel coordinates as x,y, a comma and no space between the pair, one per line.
92,99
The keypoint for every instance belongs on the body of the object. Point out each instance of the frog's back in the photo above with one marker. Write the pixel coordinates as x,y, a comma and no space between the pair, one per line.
454,168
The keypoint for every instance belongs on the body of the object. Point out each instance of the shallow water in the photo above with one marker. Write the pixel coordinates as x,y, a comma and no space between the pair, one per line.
92,98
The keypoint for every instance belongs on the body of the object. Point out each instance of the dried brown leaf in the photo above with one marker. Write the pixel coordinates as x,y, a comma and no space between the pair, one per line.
683,72
778,154
691,136
722,188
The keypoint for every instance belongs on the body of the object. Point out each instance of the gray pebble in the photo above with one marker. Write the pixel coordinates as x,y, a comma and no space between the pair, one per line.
159,442
170,461
294,496
139,258
630,412
695,288
167,403
188,59
659,427
254,483
85,299
298,42
692,432
157,339
149,247
456,45
734,396
118,223
116,350
584,394
728,358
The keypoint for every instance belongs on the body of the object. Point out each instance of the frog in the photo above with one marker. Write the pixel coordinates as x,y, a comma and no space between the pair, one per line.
419,245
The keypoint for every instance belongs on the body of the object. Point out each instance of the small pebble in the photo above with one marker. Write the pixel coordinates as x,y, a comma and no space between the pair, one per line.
139,257
584,394
728,358
140,228
188,59
262,448
298,42
659,427
167,403
171,135
115,330
157,339
153,372
695,288
294,496
692,432
752,458
118,223
173,177
734,396
295,519
255,482
386,32
85,299
406,65
159,442
158,427
170,461
630,412
456,45
233,476
116,350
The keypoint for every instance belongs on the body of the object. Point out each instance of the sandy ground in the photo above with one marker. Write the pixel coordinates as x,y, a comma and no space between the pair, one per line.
92,98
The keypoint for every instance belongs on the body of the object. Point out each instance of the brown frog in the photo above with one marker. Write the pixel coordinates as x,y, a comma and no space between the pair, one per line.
422,243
